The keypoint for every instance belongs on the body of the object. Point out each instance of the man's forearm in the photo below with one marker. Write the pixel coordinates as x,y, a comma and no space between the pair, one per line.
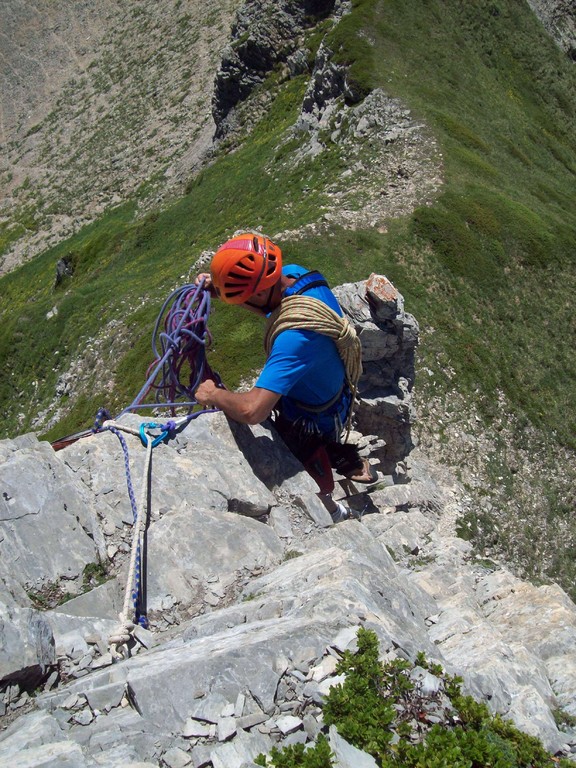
234,404
250,407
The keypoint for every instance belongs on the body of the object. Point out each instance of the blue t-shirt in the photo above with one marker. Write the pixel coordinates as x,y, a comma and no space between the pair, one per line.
305,365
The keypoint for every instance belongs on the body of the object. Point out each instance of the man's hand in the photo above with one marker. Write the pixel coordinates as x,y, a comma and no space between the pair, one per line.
246,407
205,393
208,286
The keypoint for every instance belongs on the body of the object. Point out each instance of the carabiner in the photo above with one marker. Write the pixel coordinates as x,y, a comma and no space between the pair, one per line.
155,440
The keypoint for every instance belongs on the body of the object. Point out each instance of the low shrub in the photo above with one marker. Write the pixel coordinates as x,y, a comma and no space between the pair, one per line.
383,709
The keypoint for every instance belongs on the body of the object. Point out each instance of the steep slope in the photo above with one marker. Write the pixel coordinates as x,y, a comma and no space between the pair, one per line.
559,18
485,151
96,101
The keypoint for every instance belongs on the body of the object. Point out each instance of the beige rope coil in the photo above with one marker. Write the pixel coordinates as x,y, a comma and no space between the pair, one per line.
308,314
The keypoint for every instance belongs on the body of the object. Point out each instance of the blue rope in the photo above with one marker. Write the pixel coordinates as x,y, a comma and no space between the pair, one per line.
139,610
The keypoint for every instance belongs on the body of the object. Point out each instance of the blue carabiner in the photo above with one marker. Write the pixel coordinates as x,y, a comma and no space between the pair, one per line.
156,440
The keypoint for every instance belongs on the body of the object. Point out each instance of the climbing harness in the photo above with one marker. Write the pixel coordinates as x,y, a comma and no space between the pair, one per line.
179,343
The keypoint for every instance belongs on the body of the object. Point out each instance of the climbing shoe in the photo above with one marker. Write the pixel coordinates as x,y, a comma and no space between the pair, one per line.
340,513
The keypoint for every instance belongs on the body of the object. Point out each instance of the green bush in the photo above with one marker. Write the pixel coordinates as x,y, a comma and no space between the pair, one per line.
382,711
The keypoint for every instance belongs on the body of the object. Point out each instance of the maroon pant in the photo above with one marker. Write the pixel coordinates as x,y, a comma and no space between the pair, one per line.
318,453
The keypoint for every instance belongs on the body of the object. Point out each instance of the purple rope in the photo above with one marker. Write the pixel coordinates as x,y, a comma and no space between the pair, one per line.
180,336
184,339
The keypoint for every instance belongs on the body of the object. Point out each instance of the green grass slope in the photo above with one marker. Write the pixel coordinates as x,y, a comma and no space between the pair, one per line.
489,267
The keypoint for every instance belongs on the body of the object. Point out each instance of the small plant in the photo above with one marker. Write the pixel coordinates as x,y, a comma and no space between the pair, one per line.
564,719
93,575
297,756
361,713
290,554
250,596
50,595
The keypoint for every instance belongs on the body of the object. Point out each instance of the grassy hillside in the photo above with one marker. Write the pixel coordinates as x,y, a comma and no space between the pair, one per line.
488,270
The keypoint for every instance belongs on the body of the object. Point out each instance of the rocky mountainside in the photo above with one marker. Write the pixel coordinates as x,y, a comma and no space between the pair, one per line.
559,18
98,99
101,117
103,102
251,592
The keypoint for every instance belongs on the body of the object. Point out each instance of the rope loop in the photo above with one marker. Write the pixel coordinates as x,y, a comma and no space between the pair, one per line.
120,637
101,416
310,314
179,343
122,634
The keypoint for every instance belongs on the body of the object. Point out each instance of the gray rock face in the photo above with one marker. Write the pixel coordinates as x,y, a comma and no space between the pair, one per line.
65,68
258,45
39,494
348,756
389,337
559,19
26,645
251,594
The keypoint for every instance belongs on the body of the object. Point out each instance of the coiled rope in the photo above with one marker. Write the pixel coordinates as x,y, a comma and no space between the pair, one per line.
306,313
180,346
179,343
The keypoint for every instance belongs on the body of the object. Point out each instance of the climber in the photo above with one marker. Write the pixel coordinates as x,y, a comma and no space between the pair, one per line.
305,382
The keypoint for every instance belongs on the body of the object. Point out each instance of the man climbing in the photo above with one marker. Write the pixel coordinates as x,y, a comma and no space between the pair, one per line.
313,362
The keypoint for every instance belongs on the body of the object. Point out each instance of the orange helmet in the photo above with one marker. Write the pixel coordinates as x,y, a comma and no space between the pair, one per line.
245,265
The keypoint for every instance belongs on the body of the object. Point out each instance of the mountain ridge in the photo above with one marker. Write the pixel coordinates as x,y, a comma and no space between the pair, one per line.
513,480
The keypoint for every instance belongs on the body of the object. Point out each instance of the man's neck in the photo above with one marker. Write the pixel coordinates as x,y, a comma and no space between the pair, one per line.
286,282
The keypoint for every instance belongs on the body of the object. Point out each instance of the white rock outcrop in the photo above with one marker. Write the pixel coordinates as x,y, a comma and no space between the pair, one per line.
251,594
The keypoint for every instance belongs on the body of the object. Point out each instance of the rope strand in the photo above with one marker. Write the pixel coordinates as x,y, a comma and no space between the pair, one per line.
179,342
123,632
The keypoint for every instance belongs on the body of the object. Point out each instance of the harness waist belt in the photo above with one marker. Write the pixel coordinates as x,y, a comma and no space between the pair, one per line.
322,406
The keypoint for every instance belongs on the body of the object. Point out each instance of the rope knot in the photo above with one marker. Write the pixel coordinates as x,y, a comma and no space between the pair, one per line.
120,636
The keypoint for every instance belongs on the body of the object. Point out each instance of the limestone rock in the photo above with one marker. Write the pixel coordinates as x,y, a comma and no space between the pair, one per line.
348,756
389,337
58,754
256,47
559,19
39,493
26,646
253,596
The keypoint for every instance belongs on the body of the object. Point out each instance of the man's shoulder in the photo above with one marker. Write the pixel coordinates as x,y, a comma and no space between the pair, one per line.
294,270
